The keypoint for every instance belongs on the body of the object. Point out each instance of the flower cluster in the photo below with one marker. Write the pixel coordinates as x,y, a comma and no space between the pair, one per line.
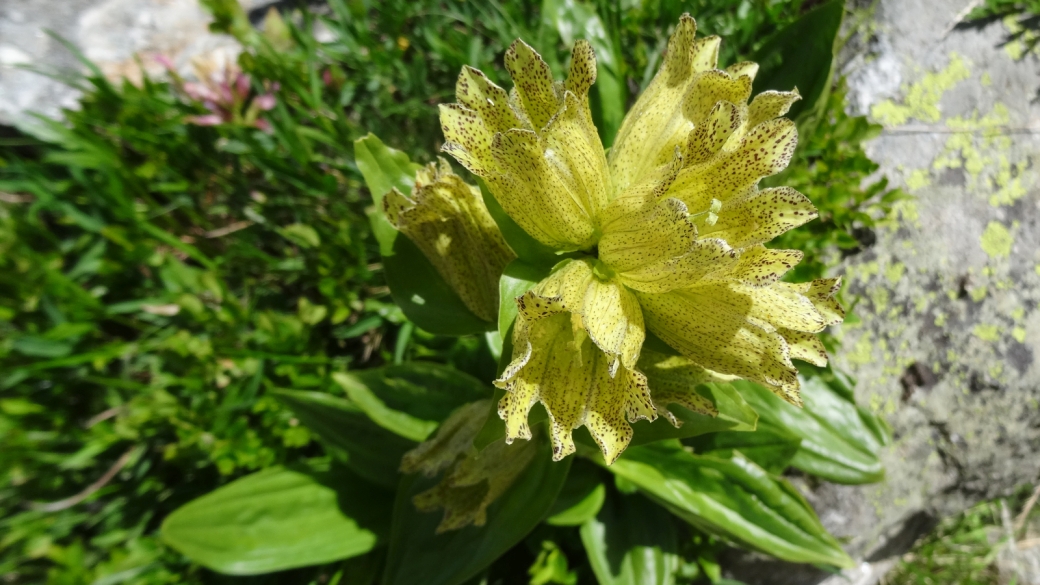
663,234
224,90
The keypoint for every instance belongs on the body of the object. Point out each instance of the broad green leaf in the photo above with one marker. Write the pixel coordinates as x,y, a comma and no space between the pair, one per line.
35,346
837,445
842,384
581,497
383,168
632,541
770,449
349,435
734,415
801,55
411,399
573,20
423,294
416,286
281,518
732,498
418,555
301,234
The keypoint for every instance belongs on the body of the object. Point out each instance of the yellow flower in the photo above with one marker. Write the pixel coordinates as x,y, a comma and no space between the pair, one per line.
447,220
665,232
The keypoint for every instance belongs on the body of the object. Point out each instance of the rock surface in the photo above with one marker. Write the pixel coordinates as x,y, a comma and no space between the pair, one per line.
948,295
111,33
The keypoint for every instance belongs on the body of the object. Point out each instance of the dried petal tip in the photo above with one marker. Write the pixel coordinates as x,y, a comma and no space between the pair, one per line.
447,220
473,479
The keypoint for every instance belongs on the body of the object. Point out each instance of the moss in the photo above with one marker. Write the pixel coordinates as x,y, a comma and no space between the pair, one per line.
894,273
918,179
1019,333
981,149
996,369
987,332
996,240
863,351
922,98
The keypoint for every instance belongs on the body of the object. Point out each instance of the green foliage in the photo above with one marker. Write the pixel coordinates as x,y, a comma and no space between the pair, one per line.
631,541
733,498
580,499
963,549
1023,14
418,289
349,435
281,518
184,305
808,42
1004,7
836,439
417,554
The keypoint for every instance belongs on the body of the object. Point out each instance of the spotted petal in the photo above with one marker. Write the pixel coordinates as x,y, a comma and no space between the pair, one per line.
805,346
765,151
659,233
760,216
712,326
447,220
607,312
576,382
673,380
534,83
536,195
656,125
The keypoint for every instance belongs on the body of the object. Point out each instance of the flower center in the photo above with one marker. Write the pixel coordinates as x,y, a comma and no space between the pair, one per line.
601,271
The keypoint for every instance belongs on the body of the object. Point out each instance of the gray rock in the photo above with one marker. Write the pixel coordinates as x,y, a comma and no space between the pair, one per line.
948,296
111,33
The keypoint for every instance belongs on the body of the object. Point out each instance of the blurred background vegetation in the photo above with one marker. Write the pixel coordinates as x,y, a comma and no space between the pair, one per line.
160,278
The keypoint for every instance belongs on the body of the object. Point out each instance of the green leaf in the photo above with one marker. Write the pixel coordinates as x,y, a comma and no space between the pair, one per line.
734,415
732,498
632,541
34,346
349,435
842,384
418,555
770,449
301,234
416,286
280,518
581,497
837,444
423,294
411,399
801,55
